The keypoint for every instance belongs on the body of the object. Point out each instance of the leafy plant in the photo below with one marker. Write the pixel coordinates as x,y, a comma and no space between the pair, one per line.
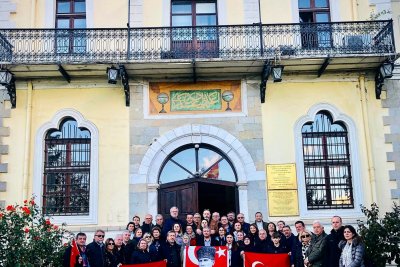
381,236
27,238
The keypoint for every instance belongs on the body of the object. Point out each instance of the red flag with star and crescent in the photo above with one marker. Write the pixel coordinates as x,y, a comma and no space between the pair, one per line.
74,253
266,260
220,257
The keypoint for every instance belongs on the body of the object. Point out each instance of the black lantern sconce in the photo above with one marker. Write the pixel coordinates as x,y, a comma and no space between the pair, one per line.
7,79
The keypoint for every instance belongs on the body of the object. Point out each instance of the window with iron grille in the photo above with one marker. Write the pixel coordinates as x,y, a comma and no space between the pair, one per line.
327,164
66,180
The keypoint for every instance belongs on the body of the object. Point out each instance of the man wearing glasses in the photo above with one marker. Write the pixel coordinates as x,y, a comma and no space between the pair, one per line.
245,225
95,251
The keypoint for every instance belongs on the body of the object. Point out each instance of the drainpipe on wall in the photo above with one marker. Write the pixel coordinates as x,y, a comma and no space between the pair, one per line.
367,136
27,151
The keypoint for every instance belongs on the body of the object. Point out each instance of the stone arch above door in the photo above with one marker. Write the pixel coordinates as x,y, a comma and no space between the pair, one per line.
192,134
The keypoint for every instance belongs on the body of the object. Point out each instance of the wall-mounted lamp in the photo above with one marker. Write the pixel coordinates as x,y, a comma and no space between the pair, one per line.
277,73
7,79
385,71
113,73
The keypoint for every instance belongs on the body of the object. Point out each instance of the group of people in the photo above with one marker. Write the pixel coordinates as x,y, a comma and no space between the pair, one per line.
167,240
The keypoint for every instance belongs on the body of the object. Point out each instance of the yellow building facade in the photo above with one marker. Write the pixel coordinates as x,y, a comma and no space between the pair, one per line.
194,118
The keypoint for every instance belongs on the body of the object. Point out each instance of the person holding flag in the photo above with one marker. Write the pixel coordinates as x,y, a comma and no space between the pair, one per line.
75,255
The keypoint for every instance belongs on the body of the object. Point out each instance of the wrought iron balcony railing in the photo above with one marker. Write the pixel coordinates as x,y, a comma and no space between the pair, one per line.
235,42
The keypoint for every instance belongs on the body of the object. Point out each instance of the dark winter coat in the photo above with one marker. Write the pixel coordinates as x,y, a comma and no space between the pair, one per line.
172,253
110,259
316,251
332,252
140,256
357,253
95,254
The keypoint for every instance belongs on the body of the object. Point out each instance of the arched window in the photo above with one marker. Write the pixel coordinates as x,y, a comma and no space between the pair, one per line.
197,161
66,179
327,165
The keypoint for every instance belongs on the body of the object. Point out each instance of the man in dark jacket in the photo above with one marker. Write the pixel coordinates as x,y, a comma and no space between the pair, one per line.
289,238
81,259
205,239
171,251
147,224
262,243
96,250
316,251
169,223
333,251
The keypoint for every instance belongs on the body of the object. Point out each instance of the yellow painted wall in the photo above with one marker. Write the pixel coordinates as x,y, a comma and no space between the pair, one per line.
291,99
104,107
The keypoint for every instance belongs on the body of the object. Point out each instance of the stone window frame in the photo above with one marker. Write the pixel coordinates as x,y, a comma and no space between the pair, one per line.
54,123
358,192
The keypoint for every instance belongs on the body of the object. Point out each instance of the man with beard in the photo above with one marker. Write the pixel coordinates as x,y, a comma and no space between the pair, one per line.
289,237
169,223
333,251
171,251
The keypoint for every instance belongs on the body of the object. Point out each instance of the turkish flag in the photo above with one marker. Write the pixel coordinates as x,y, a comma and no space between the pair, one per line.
266,260
217,255
151,264
74,253
213,173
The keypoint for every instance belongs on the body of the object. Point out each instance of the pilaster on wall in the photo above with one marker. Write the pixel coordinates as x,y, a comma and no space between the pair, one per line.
392,103
5,112
136,13
7,8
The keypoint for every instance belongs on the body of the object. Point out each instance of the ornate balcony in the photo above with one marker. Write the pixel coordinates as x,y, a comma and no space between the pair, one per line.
244,46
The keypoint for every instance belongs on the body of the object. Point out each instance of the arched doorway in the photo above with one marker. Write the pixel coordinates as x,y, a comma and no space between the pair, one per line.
195,177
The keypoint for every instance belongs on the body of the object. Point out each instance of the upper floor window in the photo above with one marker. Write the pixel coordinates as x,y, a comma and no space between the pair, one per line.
71,14
193,13
314,10
327,164
66,181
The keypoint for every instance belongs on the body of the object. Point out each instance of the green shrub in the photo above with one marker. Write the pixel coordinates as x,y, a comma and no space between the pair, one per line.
381,235
27,238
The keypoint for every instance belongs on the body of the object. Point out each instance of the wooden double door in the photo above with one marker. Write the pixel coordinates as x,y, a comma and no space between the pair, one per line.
196,194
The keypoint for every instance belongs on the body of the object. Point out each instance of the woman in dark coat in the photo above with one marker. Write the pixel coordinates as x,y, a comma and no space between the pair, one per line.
299,249
253,233
155,247
352,247
141,254
110,257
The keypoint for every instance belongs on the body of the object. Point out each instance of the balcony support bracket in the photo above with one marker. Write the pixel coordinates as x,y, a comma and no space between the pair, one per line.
264,78
125,83
324,66
12,92
64,73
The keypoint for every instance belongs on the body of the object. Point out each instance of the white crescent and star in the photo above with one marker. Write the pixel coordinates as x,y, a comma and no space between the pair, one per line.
221,252
254,264
191,255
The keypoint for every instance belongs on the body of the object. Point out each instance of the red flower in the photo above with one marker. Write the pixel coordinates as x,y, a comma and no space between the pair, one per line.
36,237
32,202
1,215
10,208
26,230
48,222
55,227
26,210
25,201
